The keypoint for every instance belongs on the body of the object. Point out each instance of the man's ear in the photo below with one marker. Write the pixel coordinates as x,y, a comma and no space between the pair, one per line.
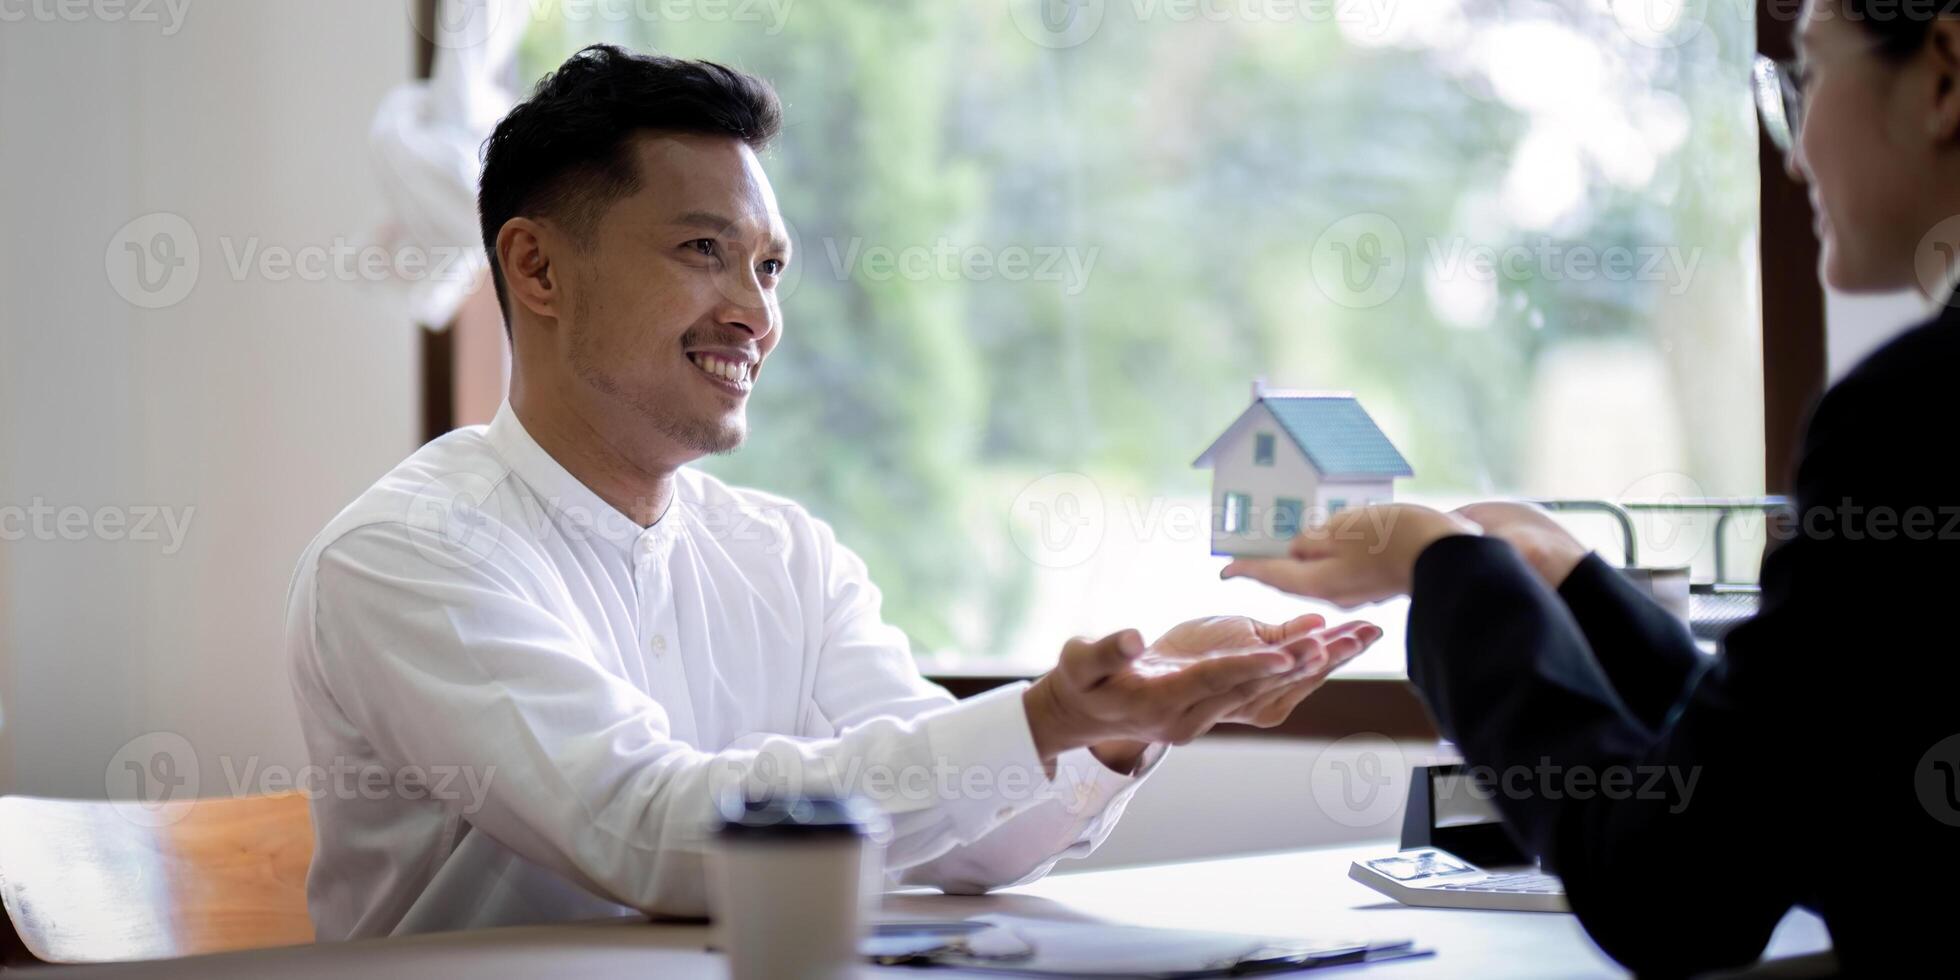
1943,51
524,252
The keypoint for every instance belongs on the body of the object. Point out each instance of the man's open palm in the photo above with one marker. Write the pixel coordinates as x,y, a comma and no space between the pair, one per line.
1315,648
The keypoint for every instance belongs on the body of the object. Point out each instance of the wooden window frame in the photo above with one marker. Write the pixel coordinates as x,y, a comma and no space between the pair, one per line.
437,345
1793,378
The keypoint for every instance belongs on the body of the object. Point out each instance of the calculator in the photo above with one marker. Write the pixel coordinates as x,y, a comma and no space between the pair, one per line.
1432,878
1455,852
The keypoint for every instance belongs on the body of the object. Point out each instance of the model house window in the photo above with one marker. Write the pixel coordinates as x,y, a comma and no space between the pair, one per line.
1335,505
995,289
1286,517
1235,516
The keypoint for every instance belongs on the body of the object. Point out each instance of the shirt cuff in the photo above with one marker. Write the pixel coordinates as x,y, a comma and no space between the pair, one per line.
1084,785
985,766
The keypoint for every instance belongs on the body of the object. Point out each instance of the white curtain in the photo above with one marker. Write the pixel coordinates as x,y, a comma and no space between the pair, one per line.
427,138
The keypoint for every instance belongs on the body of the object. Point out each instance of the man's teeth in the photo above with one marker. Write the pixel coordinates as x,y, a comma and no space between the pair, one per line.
735,372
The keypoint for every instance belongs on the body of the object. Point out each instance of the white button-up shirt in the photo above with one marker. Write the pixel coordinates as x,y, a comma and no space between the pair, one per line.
525,706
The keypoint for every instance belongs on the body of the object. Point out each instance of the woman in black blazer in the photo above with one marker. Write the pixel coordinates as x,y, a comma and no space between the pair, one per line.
1816,760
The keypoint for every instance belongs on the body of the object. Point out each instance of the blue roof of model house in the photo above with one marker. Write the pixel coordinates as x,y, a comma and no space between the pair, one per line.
1334,431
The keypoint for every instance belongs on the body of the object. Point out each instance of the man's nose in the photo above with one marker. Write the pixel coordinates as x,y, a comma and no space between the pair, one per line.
748,308
756,324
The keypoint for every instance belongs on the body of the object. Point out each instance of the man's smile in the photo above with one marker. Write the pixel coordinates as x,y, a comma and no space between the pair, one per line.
733,370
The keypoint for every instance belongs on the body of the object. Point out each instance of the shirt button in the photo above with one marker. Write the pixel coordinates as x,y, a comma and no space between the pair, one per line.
1003,813
659,643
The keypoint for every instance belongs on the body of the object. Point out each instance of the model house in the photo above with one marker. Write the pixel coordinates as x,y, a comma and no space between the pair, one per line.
1294,458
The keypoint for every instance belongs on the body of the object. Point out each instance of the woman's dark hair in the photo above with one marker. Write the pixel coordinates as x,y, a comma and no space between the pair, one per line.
1899,27
566,152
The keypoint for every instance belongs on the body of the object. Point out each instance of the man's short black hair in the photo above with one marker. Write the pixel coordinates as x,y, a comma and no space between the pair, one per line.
566,152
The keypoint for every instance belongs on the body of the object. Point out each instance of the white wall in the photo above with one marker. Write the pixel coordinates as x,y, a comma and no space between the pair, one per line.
1234,471
264,405
1239,795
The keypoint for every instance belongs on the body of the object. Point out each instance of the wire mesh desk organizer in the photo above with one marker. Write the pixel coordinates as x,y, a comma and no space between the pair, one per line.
1714,607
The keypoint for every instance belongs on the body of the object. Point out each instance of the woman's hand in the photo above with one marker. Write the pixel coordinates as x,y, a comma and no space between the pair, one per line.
1358,556
1544,543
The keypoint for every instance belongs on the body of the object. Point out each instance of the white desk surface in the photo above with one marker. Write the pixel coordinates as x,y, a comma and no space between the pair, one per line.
1301,893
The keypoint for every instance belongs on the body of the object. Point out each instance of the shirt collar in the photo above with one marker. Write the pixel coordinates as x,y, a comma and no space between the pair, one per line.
583,513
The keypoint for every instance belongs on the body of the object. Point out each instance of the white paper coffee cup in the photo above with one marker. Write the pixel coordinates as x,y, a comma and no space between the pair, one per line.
793,884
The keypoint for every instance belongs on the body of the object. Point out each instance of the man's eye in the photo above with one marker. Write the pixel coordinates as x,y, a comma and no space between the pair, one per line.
705,246
772,267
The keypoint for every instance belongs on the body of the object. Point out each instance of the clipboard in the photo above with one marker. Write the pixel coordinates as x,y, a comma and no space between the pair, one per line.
1018,946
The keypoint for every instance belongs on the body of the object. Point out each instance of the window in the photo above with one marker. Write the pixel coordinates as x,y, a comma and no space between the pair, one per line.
1034,278
1286,517
1235,516
1262,449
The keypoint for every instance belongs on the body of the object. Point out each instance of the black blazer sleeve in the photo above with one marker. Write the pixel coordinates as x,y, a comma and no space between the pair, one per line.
1789,762
1648,655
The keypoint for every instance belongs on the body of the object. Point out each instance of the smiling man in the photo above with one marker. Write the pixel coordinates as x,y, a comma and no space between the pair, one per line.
609,642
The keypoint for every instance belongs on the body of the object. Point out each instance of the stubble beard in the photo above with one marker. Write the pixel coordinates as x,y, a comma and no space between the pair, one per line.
704,436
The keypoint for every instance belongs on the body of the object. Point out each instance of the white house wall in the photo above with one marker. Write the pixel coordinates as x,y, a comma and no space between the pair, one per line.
1233,471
